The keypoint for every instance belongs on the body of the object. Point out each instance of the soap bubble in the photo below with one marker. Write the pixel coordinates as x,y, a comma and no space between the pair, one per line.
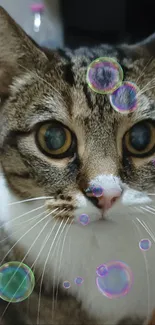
84,219
101,270
125,99
145,244
97,191
117,281
66,284
78,280
104,75
16,282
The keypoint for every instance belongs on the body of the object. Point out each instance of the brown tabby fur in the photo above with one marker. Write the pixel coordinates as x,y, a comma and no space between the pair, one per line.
38,85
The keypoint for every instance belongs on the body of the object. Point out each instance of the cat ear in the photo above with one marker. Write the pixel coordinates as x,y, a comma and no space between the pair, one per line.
145,48
17,51
148,45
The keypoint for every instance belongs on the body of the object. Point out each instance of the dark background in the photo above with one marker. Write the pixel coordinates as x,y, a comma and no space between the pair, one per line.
88,22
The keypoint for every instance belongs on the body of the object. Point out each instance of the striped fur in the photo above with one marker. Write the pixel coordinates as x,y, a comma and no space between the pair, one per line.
31,80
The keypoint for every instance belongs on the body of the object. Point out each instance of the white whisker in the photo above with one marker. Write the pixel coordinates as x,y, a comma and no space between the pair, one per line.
41,248
146,86
147,210
139,210
63,244
27,213
144,215
26,221
57,244
144,90
151,208
39,301
45,241
146,266
32,199
47,237
26,234
142,73
144,225
22,215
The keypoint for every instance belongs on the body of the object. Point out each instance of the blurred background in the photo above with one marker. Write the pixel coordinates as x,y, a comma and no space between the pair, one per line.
73,23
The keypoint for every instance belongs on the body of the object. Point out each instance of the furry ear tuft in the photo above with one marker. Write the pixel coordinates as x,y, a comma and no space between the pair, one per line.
7,72
17,51
15,45
149,45
145,48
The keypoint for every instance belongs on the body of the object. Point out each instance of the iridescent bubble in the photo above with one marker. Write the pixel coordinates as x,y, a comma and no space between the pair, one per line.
104,75
66,284
78,280
117,281
16,282
97,191
145,244
84,219
101,270
125,99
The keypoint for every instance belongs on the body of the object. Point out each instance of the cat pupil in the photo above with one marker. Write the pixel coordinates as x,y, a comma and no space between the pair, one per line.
140,137
55,138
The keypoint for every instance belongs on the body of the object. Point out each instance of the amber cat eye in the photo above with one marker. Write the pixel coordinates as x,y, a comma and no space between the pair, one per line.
54,139
139,141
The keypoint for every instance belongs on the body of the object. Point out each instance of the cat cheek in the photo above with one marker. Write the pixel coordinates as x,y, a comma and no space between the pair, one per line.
133,197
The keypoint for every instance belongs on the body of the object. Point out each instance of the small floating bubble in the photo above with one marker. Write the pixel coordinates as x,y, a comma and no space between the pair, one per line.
145,244
16,282
97,191
104,75
125,99
66,284
84,219
78,280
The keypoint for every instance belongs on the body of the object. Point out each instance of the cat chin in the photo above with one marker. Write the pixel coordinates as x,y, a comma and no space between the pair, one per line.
82,249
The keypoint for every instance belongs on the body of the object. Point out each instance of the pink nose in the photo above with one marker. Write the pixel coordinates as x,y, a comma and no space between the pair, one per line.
106,202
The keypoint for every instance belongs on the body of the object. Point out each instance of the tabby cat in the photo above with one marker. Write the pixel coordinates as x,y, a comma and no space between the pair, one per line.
58,138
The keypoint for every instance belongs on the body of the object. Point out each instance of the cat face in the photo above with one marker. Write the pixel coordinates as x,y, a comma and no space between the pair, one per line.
58,137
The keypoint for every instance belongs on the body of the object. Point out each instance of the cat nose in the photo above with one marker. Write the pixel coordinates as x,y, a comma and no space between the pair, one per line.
106,202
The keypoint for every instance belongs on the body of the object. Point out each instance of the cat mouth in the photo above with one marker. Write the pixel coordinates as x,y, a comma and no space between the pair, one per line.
103,216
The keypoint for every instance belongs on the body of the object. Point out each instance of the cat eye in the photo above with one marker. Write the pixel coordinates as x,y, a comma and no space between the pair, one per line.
55,140
139,141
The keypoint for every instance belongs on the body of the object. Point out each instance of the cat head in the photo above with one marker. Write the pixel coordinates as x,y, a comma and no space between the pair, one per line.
58,138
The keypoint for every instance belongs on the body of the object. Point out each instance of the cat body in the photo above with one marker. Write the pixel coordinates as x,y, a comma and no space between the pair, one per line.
43,189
